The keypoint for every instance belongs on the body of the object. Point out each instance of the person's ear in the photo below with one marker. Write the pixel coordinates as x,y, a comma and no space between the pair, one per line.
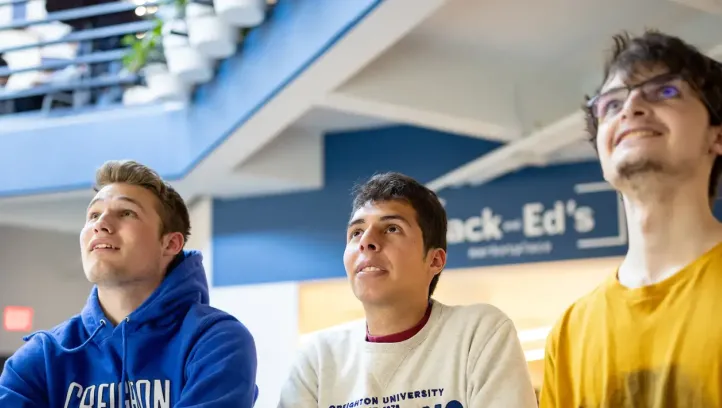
437,260
173,243
716,145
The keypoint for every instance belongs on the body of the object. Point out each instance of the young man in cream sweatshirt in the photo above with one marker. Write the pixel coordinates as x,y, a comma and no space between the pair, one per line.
410,351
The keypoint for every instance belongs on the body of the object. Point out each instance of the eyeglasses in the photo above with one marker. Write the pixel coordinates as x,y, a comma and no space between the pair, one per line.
656,89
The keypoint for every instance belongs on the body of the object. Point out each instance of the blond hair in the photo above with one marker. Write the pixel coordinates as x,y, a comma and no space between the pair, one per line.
171,209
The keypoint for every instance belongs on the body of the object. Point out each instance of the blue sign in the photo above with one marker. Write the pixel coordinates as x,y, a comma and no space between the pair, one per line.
574,219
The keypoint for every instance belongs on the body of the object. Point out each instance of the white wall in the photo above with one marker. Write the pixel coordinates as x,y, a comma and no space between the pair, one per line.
270,311
43,270
201,239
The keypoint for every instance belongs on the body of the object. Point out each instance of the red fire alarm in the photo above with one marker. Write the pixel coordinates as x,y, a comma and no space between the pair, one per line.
18,318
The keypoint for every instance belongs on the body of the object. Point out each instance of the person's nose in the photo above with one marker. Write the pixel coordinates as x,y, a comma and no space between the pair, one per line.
370,241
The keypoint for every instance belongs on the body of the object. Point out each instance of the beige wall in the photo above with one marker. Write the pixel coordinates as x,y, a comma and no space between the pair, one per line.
533,295
42,270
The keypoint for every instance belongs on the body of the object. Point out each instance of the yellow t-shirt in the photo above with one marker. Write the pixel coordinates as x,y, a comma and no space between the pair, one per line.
658,346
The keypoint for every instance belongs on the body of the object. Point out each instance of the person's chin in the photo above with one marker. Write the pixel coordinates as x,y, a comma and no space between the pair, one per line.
101,273
96,277
374,296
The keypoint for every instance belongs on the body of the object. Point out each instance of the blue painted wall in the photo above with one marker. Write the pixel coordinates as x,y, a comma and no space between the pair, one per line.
64,157
302,236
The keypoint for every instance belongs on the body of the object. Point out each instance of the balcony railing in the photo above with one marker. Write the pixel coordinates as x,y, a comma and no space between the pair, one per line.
76,54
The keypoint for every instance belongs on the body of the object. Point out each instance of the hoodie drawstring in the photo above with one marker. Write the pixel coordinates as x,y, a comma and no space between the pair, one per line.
123,376
60,346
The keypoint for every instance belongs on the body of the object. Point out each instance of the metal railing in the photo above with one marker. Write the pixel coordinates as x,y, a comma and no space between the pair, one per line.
83,74
76,56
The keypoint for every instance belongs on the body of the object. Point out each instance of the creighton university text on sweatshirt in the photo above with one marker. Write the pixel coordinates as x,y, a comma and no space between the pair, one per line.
173,351
464,357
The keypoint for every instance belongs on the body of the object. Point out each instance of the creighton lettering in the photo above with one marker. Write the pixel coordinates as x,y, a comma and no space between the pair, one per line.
361,402
138,394
389,400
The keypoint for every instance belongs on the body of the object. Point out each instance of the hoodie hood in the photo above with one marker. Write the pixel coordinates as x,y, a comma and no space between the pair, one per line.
184,285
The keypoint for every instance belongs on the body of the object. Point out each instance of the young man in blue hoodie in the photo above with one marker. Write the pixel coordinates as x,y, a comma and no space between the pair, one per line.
147,337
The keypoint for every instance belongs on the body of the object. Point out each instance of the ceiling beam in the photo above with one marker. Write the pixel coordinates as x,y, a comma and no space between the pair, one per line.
515,155
420,116
491,97
418,84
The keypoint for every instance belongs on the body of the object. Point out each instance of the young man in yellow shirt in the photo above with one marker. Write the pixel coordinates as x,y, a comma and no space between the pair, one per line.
651,335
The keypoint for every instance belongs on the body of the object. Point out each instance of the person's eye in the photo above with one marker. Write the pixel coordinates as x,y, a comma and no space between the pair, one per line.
668,91
393,229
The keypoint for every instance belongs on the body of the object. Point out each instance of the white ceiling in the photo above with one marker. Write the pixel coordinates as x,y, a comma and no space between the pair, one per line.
520,70
513,71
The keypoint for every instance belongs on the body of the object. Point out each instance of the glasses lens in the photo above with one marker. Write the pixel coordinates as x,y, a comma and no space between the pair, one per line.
661,90
609,103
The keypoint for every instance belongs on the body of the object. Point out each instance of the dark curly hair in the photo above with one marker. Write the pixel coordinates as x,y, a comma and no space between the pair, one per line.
653,49
430,214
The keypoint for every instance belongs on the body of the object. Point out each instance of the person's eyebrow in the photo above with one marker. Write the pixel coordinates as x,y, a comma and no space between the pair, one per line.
398,217
122,198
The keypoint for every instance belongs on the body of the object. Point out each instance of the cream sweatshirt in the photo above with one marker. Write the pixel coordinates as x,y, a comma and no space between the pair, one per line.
464,357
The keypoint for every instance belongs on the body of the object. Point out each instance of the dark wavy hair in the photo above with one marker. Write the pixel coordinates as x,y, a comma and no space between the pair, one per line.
430,214
653,49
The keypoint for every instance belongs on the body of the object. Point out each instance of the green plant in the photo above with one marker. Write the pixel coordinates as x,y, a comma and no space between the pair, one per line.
146,47
143,48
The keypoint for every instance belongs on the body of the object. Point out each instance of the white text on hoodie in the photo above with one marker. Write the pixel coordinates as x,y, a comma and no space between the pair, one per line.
138,394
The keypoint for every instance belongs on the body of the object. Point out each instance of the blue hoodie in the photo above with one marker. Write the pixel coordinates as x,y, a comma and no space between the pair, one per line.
173,351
